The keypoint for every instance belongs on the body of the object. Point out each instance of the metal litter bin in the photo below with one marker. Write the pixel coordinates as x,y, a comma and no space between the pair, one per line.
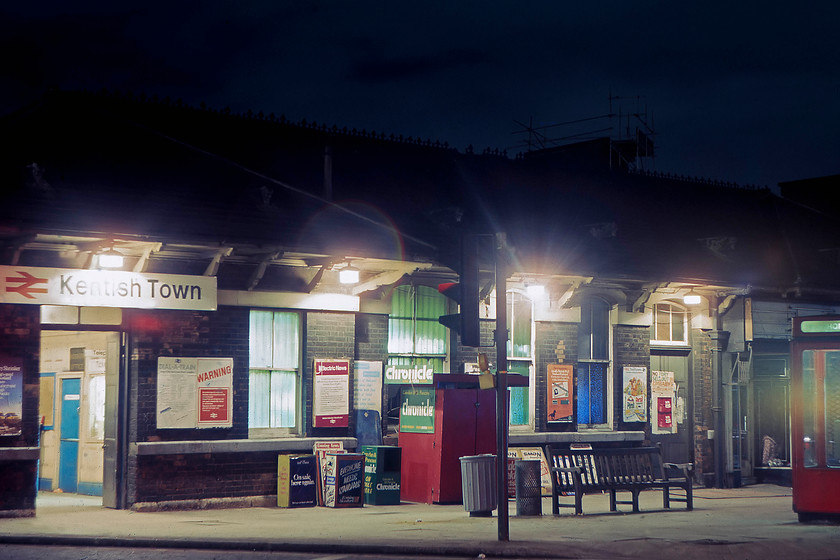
478,484
528,487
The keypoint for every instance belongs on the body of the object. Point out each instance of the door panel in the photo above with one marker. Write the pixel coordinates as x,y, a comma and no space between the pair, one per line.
110,475
69,440
676,448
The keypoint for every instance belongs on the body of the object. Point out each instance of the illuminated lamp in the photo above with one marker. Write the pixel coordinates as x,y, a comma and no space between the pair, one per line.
691,298
111,259
349,275
535,291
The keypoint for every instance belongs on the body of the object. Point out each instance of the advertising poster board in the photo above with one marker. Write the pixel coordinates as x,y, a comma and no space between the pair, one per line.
296,477
331,394
531,454
11,396
634,390
560,394
417,410
320,450
343,480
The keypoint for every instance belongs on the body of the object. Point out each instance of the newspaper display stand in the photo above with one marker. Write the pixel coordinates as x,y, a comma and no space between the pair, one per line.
343,480
296,476
382,474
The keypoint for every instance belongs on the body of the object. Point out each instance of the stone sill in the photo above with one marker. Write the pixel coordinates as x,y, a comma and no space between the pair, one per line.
280,445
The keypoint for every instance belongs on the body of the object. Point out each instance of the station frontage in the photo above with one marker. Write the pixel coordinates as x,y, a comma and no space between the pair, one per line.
244,319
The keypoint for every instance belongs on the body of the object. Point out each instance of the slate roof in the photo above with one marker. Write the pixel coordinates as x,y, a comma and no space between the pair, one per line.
81,162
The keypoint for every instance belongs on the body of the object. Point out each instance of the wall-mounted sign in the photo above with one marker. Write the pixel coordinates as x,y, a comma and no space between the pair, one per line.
11,396
106,288
417,411
409,375
560,397
662,395
195,393
331,394
634,391
367,385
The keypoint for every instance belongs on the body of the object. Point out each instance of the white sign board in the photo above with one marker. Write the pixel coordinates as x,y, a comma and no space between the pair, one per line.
106,288
195,393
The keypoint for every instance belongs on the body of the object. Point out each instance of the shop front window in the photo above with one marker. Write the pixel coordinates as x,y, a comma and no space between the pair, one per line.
274,372
593,363
520,352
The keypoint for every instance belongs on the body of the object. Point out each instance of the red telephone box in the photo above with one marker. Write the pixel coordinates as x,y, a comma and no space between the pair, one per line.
815,416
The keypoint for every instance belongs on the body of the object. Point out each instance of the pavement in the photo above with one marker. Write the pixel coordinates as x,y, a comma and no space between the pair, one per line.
751,522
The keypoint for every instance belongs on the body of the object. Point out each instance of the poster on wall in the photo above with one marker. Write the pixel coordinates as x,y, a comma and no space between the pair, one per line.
367,385
195,393
331,394
214,378
417,410
176,393
11,396
662,392
560,393
634,390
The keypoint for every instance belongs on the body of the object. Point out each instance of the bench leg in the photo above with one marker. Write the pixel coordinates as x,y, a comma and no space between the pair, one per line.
666,497
689,496
612,500
635,500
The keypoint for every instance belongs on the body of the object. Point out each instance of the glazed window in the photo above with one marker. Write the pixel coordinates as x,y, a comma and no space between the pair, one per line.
670,324
415,337
274,371
520,353
593,363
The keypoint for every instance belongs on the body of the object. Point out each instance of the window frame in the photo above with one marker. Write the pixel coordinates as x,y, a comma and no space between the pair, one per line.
514,295
686,324
264,432
586,322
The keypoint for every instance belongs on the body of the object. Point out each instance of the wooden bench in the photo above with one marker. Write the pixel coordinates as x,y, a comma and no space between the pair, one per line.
575,472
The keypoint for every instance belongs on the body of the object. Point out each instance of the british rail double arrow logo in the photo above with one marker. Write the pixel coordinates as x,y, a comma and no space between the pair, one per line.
26,284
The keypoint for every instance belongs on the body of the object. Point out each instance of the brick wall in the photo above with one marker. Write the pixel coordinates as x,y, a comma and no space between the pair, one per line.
556,343
205,475
20,341
222,333
631,347
327,335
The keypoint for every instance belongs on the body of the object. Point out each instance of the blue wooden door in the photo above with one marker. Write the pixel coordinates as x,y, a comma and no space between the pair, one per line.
68,449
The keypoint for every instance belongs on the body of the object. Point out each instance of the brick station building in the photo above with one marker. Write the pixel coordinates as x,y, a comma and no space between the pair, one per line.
181,374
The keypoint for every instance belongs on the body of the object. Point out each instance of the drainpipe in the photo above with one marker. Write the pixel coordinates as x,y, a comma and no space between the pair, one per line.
720,340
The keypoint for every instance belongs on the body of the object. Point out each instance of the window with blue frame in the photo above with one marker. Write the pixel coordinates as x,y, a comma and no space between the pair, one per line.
593,363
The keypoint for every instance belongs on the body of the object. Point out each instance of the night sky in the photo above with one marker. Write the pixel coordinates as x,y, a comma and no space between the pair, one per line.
738,90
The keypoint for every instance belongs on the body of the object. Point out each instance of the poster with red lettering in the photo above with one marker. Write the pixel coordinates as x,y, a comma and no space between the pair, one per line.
215,391
331,394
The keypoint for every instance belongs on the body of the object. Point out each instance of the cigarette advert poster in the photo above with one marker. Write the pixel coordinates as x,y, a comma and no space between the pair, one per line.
11,396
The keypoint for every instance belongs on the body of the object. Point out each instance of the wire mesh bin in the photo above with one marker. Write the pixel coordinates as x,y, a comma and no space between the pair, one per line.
528,487
478,484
